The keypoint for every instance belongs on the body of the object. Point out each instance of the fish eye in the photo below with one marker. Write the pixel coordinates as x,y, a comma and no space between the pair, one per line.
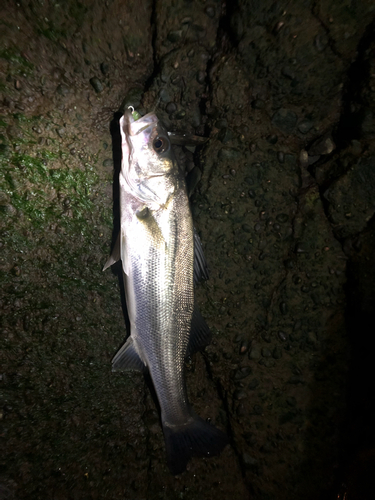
160,144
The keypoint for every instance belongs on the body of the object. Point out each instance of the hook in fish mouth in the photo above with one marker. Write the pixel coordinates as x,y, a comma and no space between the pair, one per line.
135,115
137,123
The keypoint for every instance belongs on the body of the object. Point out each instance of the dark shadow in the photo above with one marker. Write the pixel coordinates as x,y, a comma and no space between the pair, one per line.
358,438
117,155
354,107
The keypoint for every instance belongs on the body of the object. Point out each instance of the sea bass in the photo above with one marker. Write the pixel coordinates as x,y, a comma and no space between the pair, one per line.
161,257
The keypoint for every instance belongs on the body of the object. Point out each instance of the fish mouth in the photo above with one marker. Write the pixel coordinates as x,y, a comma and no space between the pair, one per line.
136,127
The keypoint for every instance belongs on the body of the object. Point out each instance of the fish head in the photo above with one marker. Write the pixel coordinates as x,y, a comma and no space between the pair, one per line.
147,157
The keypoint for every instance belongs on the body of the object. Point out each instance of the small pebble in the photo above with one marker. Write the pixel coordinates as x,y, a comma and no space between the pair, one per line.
104,68
272,139
174,36
288,72
321,42
175,79
255,352
253,384
170,108
249,461
221,124
164,96
282,336
244,347
239,394
108,162
280,156
201,77
180,114
96,84
242,373
266,353
258,410
285,120
225,135
322,146
16,271
63,89
283,308
303,158
252,193
282,218
305,126
210,11
267,362
258,104
296,280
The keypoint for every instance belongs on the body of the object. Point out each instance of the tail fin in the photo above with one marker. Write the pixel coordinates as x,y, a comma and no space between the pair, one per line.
195,439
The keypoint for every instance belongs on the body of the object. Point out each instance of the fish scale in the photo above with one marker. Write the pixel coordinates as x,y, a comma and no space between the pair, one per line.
164,307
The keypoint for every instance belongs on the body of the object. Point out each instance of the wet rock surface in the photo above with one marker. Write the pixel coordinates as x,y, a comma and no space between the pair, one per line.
283,199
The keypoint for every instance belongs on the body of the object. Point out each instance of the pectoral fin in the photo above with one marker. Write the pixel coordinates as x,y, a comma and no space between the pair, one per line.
128,359
124,253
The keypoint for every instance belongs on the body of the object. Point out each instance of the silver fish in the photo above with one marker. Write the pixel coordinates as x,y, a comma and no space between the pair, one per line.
161,258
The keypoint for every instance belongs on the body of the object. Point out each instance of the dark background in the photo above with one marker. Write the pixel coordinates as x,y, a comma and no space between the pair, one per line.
283,199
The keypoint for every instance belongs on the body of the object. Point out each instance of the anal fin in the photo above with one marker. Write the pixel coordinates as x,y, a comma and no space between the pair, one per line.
128,359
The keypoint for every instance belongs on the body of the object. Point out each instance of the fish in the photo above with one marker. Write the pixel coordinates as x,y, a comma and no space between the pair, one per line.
162,259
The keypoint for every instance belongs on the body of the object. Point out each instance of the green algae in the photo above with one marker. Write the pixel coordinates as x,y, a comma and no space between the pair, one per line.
43,189
19,62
